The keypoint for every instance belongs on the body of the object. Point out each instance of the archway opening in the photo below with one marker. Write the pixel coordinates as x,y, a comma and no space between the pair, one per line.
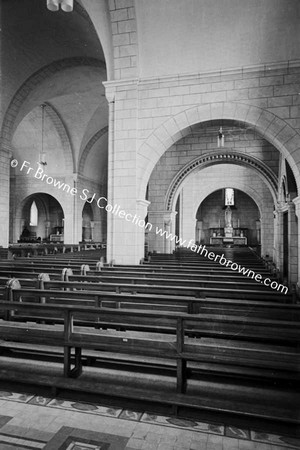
218,222
42,220
87,223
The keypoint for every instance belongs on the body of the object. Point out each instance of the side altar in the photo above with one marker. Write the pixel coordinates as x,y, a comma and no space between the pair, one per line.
228,234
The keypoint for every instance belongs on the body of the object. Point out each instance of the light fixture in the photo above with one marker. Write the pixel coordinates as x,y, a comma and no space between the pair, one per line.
66,5
42,158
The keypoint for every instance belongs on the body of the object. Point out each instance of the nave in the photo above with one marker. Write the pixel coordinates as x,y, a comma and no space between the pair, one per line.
180,335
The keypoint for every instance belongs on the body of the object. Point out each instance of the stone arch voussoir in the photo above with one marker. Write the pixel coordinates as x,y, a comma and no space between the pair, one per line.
271,127
220,157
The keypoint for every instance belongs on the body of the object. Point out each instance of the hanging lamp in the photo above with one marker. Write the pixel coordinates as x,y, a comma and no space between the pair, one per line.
66,5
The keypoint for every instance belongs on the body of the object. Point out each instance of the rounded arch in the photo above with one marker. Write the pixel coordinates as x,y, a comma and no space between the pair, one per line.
89,146
199,185
50,214
225,157
38,199
27,88
211,213
272,128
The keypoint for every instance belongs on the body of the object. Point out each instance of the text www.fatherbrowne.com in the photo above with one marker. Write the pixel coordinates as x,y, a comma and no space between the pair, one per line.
221,259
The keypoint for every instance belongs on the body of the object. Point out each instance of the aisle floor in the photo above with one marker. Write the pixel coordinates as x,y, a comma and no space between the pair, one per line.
34,422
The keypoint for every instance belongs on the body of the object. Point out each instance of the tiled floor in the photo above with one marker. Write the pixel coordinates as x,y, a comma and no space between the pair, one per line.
34,422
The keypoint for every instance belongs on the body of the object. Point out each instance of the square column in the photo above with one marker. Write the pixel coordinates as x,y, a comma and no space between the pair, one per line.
126,213
4,197
296,227
163,226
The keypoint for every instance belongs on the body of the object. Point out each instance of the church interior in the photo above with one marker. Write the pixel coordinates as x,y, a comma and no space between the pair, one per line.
150,233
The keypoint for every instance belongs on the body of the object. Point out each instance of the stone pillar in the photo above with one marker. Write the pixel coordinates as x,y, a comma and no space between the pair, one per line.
142,211
281,208
296,202
276,252
125,233
293,209
4,196
73,216
188,220
293,244
165,222
198,233
156,241
110,248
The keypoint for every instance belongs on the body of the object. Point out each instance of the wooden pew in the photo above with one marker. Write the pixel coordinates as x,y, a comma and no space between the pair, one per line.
165,287
205,281
244,327
172,345
249,308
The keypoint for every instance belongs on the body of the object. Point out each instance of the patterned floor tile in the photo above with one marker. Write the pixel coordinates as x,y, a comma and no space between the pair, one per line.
90,408
20,442
130,415
4,420
15,396
40,401
76,439
237,433
275,439
187,424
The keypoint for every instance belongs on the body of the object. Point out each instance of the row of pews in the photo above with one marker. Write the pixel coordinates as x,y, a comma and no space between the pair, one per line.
178,330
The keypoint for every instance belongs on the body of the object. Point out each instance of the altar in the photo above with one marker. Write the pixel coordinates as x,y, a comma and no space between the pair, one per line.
223,240
228,235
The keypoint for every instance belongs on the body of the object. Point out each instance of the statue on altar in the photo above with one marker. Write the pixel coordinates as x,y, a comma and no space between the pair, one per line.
228,223
228,217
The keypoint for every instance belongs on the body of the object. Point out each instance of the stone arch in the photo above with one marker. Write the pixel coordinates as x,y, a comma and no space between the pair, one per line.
262,196
40,198
63,134
29,85
89,146
267,124
224,157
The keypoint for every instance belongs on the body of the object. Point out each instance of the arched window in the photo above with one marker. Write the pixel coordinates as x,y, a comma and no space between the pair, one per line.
33,215
229,197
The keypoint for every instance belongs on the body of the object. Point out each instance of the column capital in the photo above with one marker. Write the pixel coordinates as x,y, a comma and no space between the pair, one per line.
142,202
281,207
296,202
165,213
142,207
110,92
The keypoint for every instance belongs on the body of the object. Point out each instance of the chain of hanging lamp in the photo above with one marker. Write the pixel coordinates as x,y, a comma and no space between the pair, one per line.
42,158
66,5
